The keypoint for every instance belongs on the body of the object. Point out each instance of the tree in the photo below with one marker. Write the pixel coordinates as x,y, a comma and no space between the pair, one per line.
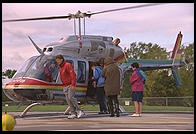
187,72
146,51
9,73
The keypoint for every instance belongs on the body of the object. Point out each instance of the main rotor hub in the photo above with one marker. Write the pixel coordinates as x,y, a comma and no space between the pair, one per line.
79,14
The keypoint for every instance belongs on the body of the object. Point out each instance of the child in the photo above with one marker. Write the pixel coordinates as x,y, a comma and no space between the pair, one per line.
137,81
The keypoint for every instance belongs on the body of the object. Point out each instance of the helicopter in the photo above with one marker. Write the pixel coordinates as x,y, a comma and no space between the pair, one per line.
38,80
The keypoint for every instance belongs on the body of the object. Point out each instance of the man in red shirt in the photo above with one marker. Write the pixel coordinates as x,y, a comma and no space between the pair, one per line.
68,78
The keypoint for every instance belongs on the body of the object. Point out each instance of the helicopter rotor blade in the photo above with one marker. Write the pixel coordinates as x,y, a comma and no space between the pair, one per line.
40,18
81,15
125,8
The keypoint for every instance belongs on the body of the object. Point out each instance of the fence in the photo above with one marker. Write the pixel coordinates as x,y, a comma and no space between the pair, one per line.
187,101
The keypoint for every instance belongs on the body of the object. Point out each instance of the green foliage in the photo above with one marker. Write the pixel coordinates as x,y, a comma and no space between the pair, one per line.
126,92
146,51
9,73
61,108
4,97
159,84
187,72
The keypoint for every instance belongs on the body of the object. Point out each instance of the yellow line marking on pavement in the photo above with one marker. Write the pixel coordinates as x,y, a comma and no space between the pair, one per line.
100,122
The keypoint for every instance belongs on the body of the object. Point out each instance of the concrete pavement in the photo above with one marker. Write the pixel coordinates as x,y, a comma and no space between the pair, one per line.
57,121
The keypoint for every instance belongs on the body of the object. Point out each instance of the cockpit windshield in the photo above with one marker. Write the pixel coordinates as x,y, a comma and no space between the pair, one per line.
39,67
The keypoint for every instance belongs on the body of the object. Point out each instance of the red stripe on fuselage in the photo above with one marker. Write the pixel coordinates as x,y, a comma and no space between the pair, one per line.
33,81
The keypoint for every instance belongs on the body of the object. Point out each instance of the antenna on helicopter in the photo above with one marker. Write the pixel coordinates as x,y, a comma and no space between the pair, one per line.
38,49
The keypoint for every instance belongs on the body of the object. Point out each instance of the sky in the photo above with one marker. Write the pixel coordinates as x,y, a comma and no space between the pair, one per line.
157,24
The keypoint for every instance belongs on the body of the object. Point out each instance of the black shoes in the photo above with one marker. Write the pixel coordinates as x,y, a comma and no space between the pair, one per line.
103,112
112,115
117,115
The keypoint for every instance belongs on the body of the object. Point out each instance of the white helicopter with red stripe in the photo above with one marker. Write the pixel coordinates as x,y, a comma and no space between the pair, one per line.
38,80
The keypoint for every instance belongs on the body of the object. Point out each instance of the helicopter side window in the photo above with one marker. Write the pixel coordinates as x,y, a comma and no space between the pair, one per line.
81,77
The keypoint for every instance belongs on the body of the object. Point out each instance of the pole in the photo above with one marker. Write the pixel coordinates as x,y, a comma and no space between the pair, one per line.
74,26
79,28
84,25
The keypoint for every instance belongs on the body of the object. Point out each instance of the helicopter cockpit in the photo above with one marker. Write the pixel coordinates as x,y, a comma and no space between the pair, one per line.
42,68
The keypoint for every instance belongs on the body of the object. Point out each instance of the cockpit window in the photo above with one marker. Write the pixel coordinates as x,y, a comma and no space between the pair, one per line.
25,66
43,68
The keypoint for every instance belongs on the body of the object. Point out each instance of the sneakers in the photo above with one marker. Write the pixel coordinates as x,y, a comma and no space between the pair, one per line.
112,115
72,116
80,113
135,115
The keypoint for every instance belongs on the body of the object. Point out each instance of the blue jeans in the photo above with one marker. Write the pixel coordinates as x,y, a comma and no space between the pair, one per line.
101,98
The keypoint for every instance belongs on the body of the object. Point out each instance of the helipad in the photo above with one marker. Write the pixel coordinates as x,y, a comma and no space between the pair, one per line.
57,121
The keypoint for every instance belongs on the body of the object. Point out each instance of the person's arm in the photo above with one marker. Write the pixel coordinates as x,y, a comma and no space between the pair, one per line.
104,73
134,78
95,74
72,75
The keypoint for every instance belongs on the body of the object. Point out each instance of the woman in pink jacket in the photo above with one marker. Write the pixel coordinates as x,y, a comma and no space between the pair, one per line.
137,86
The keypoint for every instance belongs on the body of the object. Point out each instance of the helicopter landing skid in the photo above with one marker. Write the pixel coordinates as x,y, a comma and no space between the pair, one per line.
28,108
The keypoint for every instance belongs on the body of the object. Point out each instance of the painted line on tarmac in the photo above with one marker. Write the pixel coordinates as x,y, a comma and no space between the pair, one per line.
125,130
70,121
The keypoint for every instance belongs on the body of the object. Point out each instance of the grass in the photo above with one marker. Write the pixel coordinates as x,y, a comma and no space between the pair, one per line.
61,108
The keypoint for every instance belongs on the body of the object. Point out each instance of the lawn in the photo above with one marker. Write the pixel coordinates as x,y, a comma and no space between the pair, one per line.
61,108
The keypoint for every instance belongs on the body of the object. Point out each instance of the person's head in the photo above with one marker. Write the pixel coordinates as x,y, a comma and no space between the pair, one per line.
93,65
108,60
59,59
134,65
101,62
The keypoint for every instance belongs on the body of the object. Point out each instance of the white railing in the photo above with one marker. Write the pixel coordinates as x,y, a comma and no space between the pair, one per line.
163,101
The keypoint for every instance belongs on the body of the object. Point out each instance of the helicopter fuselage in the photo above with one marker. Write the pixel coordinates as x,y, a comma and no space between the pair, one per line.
38,79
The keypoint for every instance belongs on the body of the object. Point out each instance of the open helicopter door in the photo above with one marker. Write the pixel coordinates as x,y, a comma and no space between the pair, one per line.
91,91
